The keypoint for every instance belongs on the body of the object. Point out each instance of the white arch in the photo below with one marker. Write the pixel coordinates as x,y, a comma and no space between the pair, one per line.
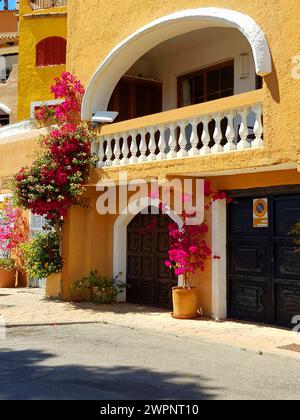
5,108
120,235
124,55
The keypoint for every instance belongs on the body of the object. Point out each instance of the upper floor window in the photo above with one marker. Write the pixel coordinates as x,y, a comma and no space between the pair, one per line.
51,52
206,85
136,97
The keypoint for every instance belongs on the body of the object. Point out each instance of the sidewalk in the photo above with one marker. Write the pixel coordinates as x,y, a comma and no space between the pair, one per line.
28,307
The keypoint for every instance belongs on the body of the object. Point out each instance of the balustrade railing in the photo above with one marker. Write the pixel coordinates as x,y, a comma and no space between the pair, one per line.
199,134
47,4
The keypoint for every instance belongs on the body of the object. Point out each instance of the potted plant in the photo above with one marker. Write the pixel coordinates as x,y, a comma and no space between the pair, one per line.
7,273
43,260
102,289
45,115
187,253
14,232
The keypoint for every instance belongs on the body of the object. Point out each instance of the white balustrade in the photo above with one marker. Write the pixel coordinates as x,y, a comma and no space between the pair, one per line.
162,145
221,132
205,138
183,140
230,133
117,152
125,149
133,148
218,136
143,147
194,151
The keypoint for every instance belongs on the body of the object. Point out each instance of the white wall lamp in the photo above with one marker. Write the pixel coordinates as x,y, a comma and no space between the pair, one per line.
244,66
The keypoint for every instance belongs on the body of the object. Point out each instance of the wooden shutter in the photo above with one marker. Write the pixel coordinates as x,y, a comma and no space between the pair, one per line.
51,51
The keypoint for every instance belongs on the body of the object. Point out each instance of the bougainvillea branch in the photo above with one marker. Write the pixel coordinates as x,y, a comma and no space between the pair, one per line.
55,180
14,231
188,248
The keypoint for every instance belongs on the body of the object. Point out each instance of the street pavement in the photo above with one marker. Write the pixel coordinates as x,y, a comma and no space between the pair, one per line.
101,361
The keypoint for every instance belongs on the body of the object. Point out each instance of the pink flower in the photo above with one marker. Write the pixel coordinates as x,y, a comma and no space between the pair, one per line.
180,271
193,249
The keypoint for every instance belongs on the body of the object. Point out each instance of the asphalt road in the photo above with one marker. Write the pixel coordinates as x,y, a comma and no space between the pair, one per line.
107,362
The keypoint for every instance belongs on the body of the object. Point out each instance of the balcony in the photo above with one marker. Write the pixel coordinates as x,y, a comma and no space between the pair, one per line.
47,4
226,125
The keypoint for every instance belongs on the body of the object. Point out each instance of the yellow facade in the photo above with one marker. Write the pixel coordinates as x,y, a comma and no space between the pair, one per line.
93,32
35,82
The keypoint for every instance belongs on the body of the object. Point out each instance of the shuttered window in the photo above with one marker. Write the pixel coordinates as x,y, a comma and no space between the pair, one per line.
51,51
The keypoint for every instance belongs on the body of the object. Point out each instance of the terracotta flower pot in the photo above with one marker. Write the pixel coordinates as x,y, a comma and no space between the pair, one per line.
185,303
7,279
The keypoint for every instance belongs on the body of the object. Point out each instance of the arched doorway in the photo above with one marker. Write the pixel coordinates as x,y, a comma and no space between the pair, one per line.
124,55
149,281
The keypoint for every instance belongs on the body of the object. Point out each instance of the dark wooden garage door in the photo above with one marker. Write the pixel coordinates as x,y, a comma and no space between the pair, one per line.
149,281
264,263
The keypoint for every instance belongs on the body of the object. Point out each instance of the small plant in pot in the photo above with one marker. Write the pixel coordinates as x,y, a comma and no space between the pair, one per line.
43,260
103,290
14,231
188,253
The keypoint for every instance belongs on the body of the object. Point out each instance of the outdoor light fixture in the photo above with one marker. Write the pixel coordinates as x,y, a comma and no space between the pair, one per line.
244,61
104,117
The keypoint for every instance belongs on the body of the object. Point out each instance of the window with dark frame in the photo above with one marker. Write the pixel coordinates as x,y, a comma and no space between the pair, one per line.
4,120
51,51
206,85
136,97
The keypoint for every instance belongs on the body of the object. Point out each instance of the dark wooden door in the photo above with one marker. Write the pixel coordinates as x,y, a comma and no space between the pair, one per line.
149,281
264,263
135,97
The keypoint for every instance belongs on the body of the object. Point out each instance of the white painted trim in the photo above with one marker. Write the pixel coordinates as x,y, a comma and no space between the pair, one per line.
3,197
34,104
124,55
5,108
219,266
120,236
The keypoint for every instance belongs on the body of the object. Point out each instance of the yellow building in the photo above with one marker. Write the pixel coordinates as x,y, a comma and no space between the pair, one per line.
43,34
203,90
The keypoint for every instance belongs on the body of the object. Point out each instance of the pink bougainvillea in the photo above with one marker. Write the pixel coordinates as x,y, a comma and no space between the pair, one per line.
55,180
69,88
14,231
188,248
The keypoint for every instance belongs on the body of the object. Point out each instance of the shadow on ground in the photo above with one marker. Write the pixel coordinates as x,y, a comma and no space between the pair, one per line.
34,375
118,308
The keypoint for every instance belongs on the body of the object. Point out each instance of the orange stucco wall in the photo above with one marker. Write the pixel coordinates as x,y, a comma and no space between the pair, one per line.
88,236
